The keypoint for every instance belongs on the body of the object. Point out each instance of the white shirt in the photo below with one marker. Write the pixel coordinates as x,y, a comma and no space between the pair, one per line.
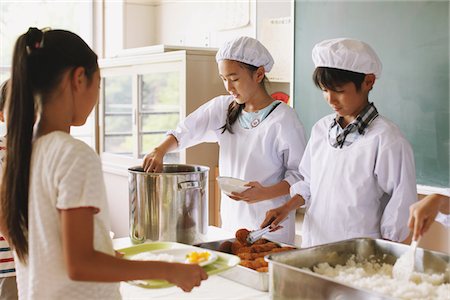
363,190
268,153
65,173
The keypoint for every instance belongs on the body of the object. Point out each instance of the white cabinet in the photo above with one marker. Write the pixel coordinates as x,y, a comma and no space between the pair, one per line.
142,96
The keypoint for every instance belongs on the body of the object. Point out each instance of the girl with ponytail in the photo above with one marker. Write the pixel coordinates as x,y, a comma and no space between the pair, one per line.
261,140
53,208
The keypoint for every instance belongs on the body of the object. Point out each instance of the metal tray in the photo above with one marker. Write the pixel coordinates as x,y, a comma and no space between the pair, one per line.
289,281
243,275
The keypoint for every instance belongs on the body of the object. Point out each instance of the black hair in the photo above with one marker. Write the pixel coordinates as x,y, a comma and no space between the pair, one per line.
235,109
331,78
40,59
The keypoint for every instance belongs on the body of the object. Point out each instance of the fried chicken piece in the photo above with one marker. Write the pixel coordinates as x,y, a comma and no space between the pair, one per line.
264,247
235,246
263,269
282,249
241,235
247,263
225,247
245,256
260,254
260,262
260,242
245,250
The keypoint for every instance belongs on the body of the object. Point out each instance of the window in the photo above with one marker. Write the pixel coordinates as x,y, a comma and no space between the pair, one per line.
140,102
17,16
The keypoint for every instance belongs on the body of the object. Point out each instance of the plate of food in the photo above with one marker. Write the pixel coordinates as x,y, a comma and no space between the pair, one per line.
180,255
212,262
231,184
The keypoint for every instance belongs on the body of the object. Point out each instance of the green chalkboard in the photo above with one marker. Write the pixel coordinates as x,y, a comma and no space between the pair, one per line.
412,40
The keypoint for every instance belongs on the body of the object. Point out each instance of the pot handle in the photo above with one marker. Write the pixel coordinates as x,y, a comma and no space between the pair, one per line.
188,185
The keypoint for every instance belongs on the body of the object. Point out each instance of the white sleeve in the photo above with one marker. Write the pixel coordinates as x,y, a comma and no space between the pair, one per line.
293,150
302,187
395,171
200,125
80,179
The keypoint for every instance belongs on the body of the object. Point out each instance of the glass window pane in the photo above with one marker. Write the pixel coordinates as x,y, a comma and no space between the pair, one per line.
118,124
150,141
118,115
121,144
159,122
160,92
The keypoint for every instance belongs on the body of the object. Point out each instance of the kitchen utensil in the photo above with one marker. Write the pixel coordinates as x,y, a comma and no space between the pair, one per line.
255,235
169,206
404,266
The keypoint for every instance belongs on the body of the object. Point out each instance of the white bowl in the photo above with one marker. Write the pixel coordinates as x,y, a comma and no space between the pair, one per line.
230,184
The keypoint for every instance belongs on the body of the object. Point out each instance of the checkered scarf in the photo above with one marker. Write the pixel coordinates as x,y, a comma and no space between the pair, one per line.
339,137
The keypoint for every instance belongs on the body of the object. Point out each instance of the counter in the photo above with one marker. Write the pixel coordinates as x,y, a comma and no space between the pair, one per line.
215,287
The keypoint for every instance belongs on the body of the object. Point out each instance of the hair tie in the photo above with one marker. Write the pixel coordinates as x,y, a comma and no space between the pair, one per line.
34,39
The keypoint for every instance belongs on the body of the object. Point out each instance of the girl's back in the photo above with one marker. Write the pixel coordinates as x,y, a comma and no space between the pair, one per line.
65,174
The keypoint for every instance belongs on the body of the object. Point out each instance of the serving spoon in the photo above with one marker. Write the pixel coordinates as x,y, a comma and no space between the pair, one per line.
404,266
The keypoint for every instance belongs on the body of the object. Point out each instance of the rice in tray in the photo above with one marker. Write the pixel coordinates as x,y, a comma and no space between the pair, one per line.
375,276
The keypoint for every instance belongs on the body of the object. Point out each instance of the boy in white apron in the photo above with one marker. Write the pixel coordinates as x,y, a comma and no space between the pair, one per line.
358,169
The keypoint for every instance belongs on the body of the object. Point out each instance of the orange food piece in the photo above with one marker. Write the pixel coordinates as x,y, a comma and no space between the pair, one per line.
241,235
235,246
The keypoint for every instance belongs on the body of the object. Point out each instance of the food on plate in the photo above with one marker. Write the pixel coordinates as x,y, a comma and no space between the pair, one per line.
196,257
241,235
153,256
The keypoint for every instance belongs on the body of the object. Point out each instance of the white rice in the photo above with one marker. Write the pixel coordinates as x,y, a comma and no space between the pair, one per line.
155,257
378,277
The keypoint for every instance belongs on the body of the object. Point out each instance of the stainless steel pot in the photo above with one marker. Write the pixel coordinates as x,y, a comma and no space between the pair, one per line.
169,206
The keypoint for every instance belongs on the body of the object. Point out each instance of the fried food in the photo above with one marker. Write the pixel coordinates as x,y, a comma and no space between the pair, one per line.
241,235
263,269
260,242
235,246
264,247
252,256
225,247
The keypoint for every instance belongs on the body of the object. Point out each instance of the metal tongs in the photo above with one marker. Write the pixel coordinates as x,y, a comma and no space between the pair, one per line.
255,235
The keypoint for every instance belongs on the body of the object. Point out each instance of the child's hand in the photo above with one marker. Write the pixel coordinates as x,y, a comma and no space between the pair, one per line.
274,217
153,161
422,214
255,193
186,276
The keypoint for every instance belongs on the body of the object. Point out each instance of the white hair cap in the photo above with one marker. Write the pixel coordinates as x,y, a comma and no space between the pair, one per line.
347,54
247,50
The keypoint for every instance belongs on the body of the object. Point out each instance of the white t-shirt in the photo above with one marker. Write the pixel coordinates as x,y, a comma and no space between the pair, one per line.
363,190
268,153
65,173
